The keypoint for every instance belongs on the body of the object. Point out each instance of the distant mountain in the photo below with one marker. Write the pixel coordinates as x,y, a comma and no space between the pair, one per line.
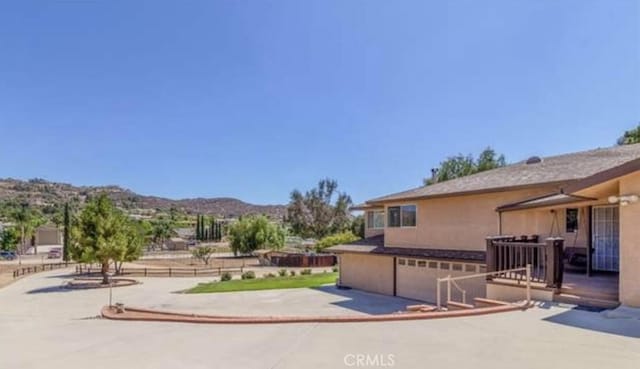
40,192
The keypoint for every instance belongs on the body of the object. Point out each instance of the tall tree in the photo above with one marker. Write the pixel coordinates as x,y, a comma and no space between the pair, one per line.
460,166
162,230
315,214
630,137
102,234
66,242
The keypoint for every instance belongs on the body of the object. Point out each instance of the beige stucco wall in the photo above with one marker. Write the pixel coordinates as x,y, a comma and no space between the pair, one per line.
461,222
48,236
630,243
371,273
541,222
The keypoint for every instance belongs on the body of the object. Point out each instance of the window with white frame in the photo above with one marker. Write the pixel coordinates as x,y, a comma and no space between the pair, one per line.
375,219
401,216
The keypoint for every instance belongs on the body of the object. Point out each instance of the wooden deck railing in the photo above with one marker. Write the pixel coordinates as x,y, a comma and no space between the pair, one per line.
504,253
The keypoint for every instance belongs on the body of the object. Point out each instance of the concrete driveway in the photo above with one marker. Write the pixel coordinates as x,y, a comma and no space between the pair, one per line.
42,326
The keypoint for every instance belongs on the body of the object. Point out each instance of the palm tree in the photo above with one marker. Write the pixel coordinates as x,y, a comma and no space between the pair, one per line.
630,137
162,230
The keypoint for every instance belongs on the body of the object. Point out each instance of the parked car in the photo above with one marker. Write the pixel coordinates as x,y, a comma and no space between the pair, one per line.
54,253
8,255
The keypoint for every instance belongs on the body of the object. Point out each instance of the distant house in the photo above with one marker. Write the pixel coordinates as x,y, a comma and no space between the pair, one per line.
177,243
586,204
48,235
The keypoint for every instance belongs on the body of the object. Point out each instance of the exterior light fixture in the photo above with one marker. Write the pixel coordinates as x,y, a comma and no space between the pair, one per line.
624,200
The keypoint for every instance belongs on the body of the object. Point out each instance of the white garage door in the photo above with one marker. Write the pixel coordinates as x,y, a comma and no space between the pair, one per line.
416,279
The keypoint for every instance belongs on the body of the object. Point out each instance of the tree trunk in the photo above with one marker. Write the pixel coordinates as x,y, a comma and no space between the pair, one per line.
105,272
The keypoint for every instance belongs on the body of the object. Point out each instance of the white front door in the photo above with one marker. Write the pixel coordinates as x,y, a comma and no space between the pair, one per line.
606,238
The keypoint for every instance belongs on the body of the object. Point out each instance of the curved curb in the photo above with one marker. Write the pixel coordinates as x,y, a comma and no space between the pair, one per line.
128,283
148,315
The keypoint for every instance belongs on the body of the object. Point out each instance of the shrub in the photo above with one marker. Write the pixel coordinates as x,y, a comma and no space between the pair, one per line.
269,275
248,275
334,269
282,272
292,273
226,276
305,271
336,239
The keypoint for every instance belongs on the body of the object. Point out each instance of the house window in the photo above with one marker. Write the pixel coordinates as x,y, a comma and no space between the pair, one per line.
411,262
402,216
572,220
401,262
422,263
375,219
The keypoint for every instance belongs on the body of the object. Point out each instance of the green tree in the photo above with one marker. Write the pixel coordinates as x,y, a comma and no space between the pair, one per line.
27,220
9,238
162,230
357,226
203,253
336,239
101,234
630,137
255,232
460,166
134,235
314,214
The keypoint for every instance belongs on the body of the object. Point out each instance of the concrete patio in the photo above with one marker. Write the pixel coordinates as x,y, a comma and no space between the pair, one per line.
42,326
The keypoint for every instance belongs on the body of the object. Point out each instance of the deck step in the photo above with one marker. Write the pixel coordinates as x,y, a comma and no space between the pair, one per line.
452,305
482,302
585,301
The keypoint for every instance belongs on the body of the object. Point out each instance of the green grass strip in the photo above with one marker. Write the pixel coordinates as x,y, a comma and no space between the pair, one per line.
276,283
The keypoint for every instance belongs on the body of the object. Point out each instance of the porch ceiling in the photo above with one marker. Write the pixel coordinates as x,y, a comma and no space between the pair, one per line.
553,199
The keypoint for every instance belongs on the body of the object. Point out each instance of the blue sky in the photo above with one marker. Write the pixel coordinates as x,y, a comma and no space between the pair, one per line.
252,99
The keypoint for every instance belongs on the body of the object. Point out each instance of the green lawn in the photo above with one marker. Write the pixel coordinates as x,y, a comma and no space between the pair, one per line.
302,281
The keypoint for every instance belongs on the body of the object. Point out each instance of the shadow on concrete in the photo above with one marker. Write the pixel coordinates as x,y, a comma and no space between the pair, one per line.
51,289
588,318
366,302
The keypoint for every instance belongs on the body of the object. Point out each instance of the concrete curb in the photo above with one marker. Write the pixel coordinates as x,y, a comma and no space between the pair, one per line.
149,315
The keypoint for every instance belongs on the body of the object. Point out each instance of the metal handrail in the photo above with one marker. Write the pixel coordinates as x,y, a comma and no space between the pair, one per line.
452,280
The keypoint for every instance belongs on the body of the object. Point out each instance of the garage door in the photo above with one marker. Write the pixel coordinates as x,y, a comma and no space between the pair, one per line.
416,279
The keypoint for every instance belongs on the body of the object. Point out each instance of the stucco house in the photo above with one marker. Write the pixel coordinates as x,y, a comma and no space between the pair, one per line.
579,211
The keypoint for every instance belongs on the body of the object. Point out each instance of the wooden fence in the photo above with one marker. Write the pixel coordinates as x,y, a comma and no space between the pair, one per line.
39,268
161,272
304,261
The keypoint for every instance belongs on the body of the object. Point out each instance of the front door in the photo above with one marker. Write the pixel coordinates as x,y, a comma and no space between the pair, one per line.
606,238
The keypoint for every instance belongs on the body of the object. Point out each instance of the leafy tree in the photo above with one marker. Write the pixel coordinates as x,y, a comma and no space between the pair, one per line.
9,238
255,232
162,230
313,214
102,234
460,166
203,253
630,137
27,220
357,226
134,234
336,239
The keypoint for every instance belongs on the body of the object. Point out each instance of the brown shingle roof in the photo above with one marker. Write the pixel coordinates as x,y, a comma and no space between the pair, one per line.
375,245
560,170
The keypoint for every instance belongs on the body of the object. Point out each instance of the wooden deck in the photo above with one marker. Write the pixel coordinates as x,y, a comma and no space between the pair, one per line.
599,290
